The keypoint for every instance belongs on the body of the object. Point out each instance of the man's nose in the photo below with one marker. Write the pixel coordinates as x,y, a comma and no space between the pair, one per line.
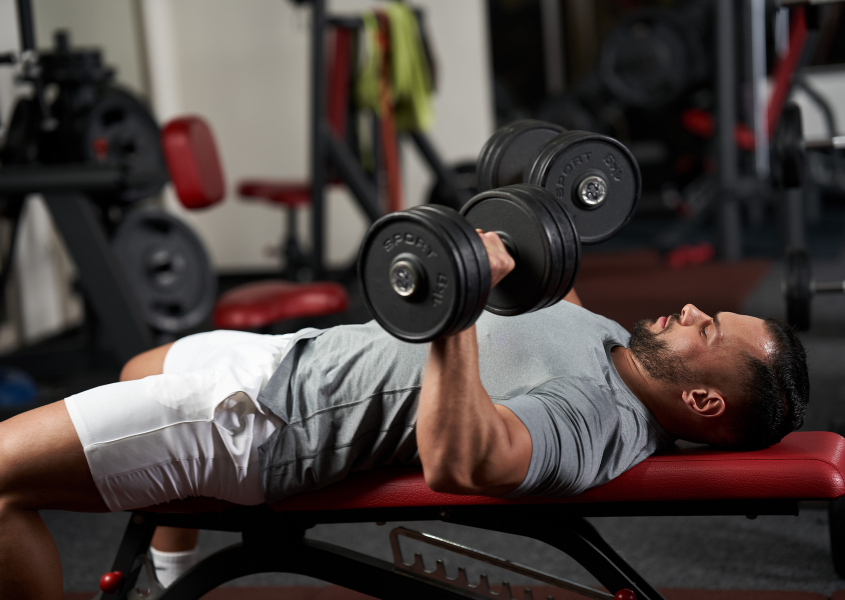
690,315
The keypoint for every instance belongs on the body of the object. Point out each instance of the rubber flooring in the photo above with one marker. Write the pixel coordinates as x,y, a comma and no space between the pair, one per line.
339,593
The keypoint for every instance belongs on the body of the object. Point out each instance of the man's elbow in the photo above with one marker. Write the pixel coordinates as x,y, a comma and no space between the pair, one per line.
444,480
452,479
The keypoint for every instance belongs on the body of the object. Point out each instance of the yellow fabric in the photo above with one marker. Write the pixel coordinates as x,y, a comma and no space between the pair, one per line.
411,74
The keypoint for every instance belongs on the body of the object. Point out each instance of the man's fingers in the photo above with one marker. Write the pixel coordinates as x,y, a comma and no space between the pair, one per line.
491,240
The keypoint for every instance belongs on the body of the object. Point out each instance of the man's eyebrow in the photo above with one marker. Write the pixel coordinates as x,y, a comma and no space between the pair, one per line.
717,324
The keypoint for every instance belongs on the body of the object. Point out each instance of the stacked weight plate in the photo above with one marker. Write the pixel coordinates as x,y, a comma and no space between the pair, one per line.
449,280
594,177
503,158
539,235
168,268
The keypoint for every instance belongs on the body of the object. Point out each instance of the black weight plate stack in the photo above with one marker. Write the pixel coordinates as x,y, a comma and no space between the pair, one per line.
467,186
788,153
541,239
797,277
473,256
168,268
130,135
24,128
503,158
650,58
566,161
450,265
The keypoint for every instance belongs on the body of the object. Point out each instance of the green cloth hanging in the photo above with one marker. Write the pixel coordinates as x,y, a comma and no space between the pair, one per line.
412,85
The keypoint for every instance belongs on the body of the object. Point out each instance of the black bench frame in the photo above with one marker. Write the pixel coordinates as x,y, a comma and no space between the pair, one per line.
275,541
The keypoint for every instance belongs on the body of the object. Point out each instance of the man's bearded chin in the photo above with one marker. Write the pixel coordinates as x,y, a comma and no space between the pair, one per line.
654,355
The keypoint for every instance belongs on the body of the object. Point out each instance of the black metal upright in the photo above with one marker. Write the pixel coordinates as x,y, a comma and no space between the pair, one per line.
730,233
103,281
327,146
26,24
318,140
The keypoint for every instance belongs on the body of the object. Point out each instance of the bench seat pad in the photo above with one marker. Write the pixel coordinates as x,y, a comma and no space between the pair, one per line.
805,465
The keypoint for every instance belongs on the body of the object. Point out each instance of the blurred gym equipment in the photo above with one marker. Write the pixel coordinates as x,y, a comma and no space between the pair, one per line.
333,153
197,176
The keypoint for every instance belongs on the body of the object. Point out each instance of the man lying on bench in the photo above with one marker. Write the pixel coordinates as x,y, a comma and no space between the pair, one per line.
548,403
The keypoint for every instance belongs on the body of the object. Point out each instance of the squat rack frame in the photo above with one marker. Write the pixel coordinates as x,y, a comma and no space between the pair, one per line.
326,146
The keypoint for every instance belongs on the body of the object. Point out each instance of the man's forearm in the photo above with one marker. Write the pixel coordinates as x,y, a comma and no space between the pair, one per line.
457,424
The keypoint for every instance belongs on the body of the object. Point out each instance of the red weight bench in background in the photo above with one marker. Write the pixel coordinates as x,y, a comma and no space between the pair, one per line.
197,176
292,195
684,481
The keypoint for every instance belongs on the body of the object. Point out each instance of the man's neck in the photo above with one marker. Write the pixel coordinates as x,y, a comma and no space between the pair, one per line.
640,384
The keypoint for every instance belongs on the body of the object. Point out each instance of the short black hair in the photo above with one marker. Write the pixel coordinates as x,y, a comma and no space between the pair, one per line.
775,393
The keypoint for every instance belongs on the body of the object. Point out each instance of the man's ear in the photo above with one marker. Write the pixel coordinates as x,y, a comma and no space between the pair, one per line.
704,402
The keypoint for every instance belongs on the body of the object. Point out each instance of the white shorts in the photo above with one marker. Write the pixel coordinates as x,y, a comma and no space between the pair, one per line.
192,431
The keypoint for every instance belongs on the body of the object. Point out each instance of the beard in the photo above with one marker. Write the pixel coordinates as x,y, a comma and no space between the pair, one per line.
653,354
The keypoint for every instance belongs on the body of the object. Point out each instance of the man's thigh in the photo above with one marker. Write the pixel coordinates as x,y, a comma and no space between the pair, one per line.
185,422
42,463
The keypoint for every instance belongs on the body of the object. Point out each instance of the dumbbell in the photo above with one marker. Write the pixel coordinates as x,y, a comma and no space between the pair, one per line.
788,150
593,176
799,287
425,273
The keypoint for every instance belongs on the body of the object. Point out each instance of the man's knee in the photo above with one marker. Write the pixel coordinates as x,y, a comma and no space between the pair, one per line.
145,364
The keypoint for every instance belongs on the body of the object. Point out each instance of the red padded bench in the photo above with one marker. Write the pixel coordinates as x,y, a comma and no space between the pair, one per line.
197,176
685,481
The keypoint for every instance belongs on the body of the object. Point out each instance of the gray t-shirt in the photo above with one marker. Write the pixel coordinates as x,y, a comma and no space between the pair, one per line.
348,399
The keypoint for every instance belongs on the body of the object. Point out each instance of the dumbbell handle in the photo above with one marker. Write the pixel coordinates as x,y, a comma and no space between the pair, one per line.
827,287
800,2
406,274
834,143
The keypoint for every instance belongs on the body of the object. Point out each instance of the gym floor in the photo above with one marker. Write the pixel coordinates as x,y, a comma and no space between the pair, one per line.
769,554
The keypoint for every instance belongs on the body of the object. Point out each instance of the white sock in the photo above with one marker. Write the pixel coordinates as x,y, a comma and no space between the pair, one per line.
171,565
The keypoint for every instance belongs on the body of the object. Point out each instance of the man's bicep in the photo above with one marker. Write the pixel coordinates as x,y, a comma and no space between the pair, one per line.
511,459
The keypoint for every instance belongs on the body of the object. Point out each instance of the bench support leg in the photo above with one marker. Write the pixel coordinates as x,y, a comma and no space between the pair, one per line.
571,535
280,550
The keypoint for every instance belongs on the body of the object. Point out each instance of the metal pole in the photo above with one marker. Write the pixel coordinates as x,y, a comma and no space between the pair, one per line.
103,280
552,47
730,234
26,24
318,142
759,87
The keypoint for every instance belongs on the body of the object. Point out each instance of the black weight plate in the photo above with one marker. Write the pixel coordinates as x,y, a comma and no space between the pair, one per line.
648,59
437,309
788,153
131,137
797,278
479,253
503,158
167,267
468,281
474,258
537,248
564,161
569,241
466,181
548,212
